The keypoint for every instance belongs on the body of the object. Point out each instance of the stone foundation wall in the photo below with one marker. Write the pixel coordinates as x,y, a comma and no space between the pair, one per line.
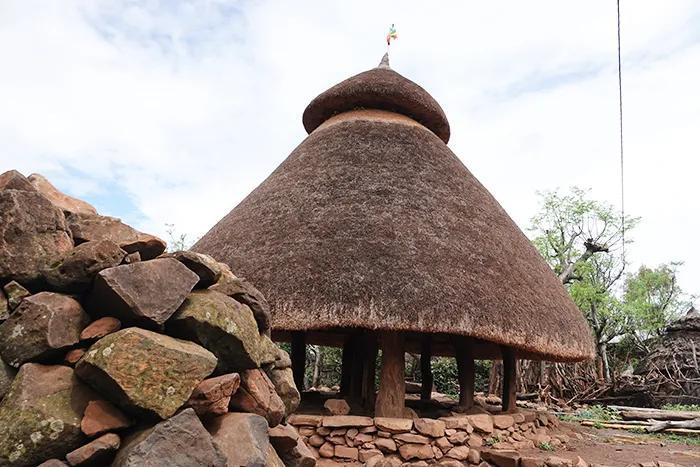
462,439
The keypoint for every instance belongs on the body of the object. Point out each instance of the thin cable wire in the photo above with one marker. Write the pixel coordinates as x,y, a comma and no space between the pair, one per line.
622,151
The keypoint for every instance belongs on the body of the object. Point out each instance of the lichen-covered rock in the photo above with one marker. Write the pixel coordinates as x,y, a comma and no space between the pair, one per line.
206,267
13,180
140,370
33,235
283,380
242,437
180,441
147,293
40,415
4,307
245,293
89,227
76,270
59,199
15,293
42,326
222,325
7,374
257,395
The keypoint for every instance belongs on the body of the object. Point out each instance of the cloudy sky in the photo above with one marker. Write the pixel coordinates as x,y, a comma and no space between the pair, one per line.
172,111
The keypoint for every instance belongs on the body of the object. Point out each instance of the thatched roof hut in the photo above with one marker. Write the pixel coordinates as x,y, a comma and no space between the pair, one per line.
672,367
372,223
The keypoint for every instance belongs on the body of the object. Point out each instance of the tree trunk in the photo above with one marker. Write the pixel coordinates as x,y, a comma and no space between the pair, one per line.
465,370
606,363
495,377
509,379
318,360
426,369
392,387
299,358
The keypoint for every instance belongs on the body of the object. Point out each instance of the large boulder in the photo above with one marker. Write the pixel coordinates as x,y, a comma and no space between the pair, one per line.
257,395
87,227
13,180
140,370
222,325
242,437
42,327
75,271
180,441
244,292
59,199
145,293
40,415
290,447
286,388
33,235
206,267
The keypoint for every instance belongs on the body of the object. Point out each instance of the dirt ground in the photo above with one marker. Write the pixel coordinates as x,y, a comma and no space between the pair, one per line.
622,448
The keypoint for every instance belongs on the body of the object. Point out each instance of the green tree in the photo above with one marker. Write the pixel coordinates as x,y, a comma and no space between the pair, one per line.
652,299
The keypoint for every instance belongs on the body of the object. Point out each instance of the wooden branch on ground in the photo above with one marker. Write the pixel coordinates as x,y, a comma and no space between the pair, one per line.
621,426
664,426
643,413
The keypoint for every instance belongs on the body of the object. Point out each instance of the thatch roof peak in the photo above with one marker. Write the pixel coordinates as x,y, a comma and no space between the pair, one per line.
380,88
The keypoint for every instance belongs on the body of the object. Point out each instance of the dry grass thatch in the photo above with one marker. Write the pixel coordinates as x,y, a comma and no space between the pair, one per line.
372,222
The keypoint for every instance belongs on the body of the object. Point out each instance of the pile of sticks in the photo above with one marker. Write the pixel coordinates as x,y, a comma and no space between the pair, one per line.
651,420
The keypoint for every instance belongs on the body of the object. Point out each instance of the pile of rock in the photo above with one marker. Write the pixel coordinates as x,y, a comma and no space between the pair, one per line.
115,352
479,439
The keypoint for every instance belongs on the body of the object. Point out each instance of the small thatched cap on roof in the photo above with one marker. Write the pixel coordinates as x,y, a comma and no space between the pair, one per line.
373,223
379,88
689,322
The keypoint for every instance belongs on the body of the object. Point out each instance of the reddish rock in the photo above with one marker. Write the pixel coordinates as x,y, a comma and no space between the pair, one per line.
327,450
53,463
385,444
212,396
531,462
501,458
344,421
75,272
457,422
100,328
430,427
412,438
283,437
4,307
206,267
41,328
290,447
148,292
257,395
101,416
7,374
416,451
336,407
33,235
13,180
394,425
180,441
286,388
40,415
15,293
141,370
131,258
503,422
59,199
345,452
305,420
241,437
97,452
86,228
481,422
73,356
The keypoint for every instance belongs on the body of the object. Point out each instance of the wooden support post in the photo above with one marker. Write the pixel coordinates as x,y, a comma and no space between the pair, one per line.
465,371
509,380
369,369
299,358
392,386
357,368
426,370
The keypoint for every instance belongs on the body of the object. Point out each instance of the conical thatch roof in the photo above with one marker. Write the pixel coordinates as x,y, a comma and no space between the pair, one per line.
372,222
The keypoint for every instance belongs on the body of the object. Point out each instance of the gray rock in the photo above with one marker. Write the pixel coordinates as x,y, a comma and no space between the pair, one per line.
7,374
43,326
180,441
40,415
145,293
244,292
33,235
222,325
142,371
242,437
86,228
206,267
75,271
4,307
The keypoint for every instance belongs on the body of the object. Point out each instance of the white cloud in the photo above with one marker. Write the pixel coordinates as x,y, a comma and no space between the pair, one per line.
182,108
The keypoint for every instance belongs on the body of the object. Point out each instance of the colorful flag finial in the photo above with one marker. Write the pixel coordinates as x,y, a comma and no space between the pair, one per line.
392,35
